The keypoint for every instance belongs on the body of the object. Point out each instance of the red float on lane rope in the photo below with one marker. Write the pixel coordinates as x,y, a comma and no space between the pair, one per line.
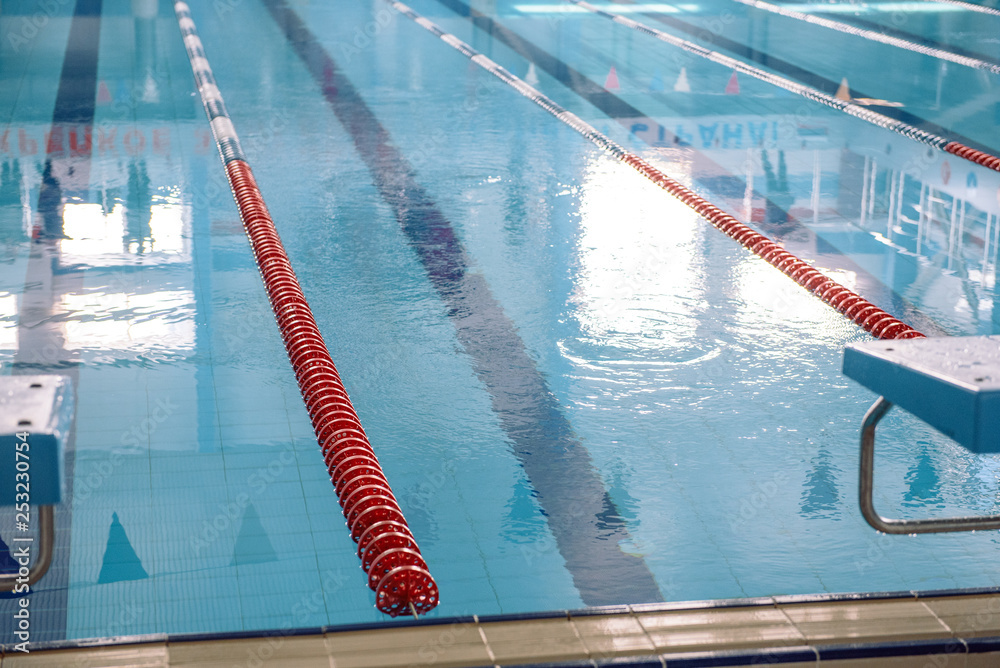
978,157
396,571
401,584
865,314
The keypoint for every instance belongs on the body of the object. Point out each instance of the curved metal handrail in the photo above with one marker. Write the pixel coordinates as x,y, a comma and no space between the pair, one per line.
865,490
47,539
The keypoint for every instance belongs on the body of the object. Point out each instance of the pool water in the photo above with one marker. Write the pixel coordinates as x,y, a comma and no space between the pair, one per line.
581,393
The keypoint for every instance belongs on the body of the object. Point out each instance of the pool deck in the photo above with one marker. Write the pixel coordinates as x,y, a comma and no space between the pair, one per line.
959,628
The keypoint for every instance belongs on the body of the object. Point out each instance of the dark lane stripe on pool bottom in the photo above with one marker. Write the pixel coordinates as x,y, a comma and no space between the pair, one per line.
41,342
580,513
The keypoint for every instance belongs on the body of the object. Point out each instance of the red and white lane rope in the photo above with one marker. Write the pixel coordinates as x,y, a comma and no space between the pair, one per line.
874,36
865,114
388,551
873,319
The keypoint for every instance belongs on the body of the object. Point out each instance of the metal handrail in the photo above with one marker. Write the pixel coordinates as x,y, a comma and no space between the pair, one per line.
872,418
47,539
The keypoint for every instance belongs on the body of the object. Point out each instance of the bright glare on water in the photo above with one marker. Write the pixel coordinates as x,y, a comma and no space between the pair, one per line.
581,392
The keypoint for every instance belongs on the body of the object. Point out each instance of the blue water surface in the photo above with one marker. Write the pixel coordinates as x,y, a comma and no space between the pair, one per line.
581,393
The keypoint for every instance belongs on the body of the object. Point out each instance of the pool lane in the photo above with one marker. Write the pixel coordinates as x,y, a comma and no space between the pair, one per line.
581,515
350,245
879,31
384,73
41,348
778,223
766,58
820,58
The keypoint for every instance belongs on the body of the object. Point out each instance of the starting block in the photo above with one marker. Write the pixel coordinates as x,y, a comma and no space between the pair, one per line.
952,384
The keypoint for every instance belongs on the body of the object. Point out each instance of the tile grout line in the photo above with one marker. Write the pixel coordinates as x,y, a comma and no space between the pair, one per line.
579,637
327,646
938,618
486,643
645,632
805,639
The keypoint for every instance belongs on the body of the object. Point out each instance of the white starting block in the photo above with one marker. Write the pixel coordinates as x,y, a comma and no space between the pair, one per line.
952,383
36,414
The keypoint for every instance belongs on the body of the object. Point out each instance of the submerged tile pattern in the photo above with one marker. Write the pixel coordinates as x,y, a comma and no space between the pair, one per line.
940,629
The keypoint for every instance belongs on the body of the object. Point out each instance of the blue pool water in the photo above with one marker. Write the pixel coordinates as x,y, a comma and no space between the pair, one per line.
588,397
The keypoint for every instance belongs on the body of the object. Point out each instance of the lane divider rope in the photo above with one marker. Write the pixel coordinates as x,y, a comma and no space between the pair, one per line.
862,312
874,36
881,120
970,6
395,568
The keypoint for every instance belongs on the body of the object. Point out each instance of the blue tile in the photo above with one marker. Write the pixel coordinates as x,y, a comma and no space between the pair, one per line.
893,649
775,656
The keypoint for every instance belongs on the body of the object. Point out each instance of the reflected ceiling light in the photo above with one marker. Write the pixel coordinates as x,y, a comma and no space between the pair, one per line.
91,232
8,329
166,225
619,9
852,8
777,304
136,322
637,275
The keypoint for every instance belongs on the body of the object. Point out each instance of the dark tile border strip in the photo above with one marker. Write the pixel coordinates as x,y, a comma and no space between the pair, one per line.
870,650
982,645
765,657
891,649
944,593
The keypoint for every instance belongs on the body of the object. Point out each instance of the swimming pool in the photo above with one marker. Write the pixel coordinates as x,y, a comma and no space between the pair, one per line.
610,402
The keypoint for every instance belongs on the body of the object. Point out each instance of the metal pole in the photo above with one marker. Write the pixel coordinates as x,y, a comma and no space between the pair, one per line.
866,489
43,558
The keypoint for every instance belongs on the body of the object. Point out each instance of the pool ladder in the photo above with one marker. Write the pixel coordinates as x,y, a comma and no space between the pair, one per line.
36,415
952,384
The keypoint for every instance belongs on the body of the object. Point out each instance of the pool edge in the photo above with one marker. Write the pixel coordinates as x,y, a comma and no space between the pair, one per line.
863,628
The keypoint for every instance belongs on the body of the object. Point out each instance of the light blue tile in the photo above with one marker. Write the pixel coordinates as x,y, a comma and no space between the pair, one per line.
271,431
182,462
252,444
198,586
202,612
253,417
195,476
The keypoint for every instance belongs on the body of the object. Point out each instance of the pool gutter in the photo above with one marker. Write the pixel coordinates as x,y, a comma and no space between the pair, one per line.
947,627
